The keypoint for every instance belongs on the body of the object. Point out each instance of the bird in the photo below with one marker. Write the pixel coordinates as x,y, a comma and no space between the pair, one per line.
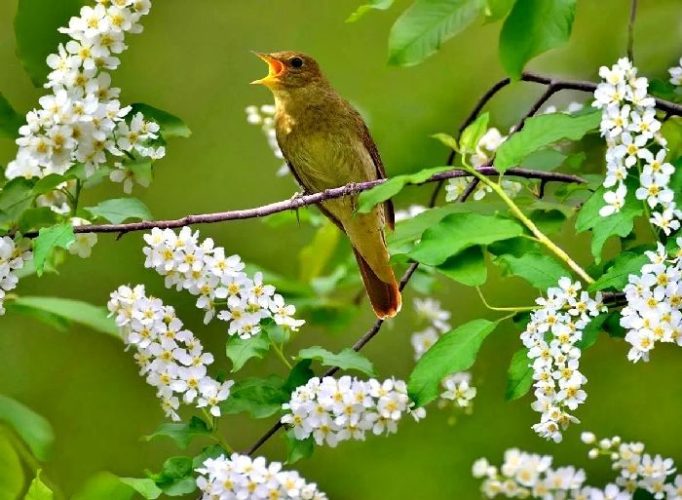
327,144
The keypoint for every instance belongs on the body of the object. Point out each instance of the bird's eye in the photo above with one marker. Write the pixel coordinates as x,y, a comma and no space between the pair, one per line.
296,62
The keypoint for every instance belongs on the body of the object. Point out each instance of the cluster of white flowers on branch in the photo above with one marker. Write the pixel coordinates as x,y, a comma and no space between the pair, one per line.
458,390
172,358
335,410
241,477
654,300
631,129
551,337
264,116
13,256
203,270
82,120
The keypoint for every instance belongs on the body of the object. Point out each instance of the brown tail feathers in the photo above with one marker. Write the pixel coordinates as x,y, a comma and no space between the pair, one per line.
384,297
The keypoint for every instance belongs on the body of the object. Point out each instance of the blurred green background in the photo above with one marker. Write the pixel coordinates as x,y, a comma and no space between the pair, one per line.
194,61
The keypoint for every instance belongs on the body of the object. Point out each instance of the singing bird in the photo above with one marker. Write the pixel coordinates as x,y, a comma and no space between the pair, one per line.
327,144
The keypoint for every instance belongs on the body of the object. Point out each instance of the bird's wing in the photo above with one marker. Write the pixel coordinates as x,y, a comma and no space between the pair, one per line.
389,212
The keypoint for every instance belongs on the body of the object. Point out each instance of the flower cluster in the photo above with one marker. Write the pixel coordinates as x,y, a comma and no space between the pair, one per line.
82,120
13,256
676,74
485,149
632,135
265,117
172,358
551,337
241,477
334,410
457,389
83,242
654,300
203,270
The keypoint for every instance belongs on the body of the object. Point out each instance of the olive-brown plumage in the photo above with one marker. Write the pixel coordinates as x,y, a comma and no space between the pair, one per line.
327,144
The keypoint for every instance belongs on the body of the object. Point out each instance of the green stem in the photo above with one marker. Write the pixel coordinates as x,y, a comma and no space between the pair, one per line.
544,240
510,308
215,436
280,354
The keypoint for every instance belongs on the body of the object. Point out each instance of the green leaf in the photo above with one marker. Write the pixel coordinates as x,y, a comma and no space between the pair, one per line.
467,268
454,352
371,5
183,433
171,126
176,476
411,229
534,27
313,258
548,221
618,224
426,25
260,397
298,449
38,490
35,218
591,331
49,239
616,276
15,197
540,270
35,29
473,133
94,317
391,187
497,9
348,359
11,472
544,159
239,351
121,209
10,120
145,487
459,231
447,140
104,485
541,131
213,451
519,375
299,375
32,428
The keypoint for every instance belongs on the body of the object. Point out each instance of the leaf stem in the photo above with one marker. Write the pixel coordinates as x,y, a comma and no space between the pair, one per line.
508,308
280,354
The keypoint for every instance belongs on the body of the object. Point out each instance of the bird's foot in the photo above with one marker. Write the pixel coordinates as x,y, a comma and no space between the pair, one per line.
297,195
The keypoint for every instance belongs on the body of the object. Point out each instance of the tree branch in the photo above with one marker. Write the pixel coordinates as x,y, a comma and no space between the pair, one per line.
631,31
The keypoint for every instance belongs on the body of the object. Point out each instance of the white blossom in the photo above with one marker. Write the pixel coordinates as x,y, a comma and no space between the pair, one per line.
170,357
243,477
264,116
676,74
13,256
84,242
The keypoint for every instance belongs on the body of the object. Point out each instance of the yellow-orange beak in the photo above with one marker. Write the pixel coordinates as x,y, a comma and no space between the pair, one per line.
275,69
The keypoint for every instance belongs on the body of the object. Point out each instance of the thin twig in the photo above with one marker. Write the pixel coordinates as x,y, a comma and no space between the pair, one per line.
631,31
546,95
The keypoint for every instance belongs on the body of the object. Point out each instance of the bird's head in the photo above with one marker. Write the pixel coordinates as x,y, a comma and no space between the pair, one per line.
288,71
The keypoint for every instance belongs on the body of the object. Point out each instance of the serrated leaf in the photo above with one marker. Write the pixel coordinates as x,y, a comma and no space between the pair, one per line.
426,25
176,476
534,27
519,375
38,490
473,133
455,351
171,125
459,231
371,5
260,397
239,350
542,131
540,270
467,268
616,276
299,375
183,433
31,427
48,240
10,120
298,449
348,359
35,218
391,187
120,210
94,317
15,197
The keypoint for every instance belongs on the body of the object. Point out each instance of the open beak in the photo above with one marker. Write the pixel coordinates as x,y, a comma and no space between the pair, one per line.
275,69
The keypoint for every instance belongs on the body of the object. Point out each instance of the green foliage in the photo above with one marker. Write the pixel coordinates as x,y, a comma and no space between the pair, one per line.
534,27
38,490
371,5
453,352
541,271
35,29
459,231
260,397
616,276
591,331
299,375
104,485
32,428
120,210
170,125
183,433
545,159
48,240
618,224
11,472
447,140
548,221
409,230
348,359
519,375
10,120
426,25
473,133
175,479
35,218
313,258
542,131
467,267
15,197
388,189
239,351
68,310
144,486
298,449
497,9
